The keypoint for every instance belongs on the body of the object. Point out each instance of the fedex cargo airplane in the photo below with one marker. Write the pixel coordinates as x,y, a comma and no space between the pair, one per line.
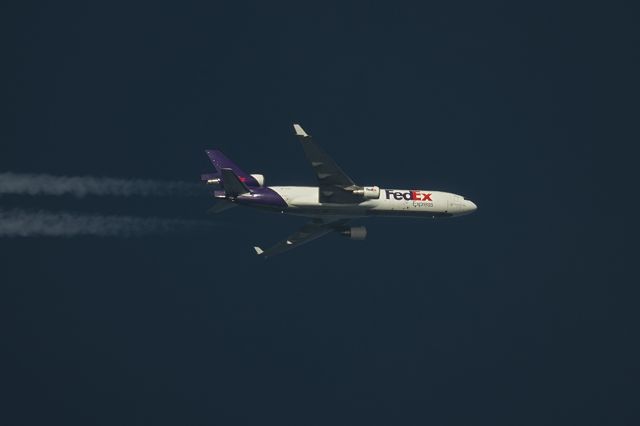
331,205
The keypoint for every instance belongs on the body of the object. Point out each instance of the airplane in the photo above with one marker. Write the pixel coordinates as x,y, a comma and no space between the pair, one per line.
331,205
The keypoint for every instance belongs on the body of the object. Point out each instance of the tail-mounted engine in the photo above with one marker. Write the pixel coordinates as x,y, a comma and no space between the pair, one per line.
354,232
368,192
214,179
259,179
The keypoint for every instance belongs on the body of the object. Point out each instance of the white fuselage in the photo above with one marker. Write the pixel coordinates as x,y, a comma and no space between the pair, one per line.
303,200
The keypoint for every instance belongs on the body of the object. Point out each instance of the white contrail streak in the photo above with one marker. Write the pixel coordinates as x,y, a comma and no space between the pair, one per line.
24,223
80,186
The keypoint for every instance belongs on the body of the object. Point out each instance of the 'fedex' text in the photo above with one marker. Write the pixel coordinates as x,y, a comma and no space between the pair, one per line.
408,195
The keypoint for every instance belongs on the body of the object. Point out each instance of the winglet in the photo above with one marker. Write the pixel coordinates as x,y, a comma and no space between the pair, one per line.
258,250
299,130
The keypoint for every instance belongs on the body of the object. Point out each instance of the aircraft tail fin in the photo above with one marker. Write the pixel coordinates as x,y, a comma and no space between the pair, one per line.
232,184
220,162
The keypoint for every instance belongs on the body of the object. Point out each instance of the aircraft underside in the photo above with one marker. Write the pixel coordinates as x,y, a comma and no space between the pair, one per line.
331,205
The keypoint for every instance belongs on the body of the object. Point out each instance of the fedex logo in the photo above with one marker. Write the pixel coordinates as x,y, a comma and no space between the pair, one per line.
408,195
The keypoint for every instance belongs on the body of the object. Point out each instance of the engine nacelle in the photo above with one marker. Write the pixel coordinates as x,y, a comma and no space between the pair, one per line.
216,180
368,192
355,232
259,178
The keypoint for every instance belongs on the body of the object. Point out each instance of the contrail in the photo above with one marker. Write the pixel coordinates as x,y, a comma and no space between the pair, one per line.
80,186
21,223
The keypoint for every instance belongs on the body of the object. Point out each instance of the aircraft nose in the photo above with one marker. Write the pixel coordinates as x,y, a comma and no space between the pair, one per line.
470,206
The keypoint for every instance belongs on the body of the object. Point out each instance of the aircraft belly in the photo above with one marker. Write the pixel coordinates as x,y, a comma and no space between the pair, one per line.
318,209
304,201
331,205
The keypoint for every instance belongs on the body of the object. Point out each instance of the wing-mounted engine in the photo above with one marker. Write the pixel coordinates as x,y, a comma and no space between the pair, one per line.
368,192
354,232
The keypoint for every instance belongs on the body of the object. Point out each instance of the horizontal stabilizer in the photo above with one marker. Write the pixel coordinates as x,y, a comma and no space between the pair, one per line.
258,250
209,176
232,185
220,206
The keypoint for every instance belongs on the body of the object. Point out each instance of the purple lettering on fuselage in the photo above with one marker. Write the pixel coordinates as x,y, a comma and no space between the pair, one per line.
408,195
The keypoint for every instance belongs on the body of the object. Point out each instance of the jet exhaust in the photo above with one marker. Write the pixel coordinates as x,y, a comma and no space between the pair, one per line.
21,223
81,186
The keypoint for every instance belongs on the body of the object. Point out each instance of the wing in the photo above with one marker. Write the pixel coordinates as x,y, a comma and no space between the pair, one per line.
335,186
309,232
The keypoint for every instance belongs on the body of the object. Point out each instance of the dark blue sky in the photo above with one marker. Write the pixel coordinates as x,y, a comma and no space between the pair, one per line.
523,313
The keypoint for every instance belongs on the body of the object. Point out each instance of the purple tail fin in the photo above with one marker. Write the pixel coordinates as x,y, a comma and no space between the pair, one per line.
220,161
